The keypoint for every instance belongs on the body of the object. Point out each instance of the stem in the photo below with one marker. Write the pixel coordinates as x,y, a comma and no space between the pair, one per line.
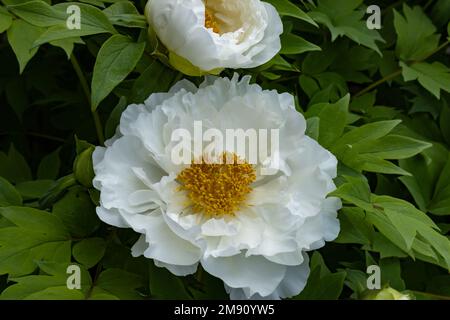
399,71
376,84
87,92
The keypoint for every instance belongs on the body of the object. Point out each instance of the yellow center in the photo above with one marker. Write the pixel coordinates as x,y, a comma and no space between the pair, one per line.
217,189
210,20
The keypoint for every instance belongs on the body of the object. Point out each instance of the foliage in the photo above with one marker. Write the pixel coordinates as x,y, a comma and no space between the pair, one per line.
378,99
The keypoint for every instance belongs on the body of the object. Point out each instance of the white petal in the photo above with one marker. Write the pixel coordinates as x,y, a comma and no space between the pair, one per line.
163,244
112,217
320,228
180,271
254,274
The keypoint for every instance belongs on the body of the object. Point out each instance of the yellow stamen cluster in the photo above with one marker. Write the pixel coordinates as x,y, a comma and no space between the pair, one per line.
217,189
210,20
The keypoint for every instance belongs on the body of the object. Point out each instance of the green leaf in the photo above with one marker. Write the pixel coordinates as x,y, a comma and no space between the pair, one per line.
416,36
51,285
309,85
433,77
391,273
9,196
116,59
164,285
21,37
444,122
39,13
6,20
441,12
344,19
49,166
83,167
124,13
156,78
42,237
426,168
312,128
13,166
293,44
33,190
89,251
322,284
117,283
393,147
440,203
114,117
287,8
333,118
356,191
67,44
93,21
77,212
372,163
56,293
355,228
409,223
368,132
386,248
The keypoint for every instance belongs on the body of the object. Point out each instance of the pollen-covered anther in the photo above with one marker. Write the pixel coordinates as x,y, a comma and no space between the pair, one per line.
210,20
217,189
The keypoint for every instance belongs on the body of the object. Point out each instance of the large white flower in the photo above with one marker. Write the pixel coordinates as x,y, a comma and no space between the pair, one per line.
248,229
216,34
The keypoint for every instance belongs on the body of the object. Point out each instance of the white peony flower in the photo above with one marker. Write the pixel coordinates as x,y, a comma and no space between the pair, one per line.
216,34
248,229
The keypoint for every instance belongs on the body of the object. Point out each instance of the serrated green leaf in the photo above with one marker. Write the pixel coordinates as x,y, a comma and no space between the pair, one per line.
333,118
344,18
416,36
432,76
354,227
